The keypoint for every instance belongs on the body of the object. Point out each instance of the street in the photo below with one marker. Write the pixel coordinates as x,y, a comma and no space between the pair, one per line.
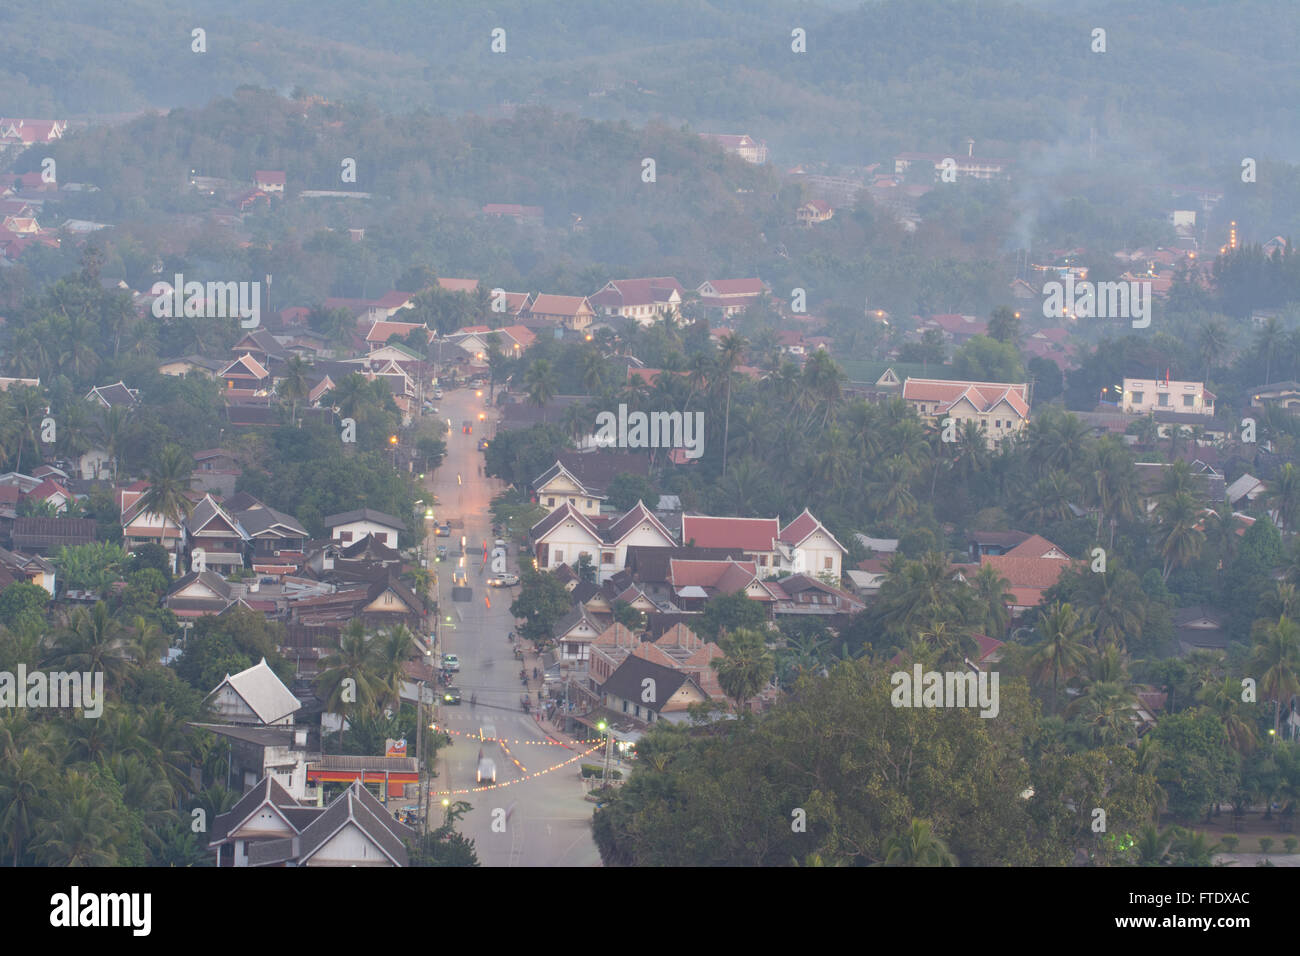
535,815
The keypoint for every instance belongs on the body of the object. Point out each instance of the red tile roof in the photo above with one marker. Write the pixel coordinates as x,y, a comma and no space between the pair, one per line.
749,534
983,395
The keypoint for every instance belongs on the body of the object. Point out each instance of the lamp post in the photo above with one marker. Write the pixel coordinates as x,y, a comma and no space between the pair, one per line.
603,727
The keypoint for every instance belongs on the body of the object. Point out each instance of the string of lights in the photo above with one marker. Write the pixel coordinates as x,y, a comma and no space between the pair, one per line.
510,783
502,740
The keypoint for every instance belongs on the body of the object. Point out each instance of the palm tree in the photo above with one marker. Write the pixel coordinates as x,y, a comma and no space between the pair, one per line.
111,432
82,830
94,643
1284,497
1267,341
293,385
994,592
1276,658
1224,698
1063,650
1153,846
1180,539
348,683
917,846
349,395
540,383
27,406
1111,484
1105,709
25,778
169,482
892,492
391,650
747,667
1049,499
1211,345
730,349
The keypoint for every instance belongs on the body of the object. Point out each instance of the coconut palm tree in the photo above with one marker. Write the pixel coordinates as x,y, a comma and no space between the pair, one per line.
348,682
540,384
169,481
1179,538
293,386
1284,496
82,830
994,594
94,643
1276,658
1224,698
730,349
25,778
1211,345
917,846
1063,650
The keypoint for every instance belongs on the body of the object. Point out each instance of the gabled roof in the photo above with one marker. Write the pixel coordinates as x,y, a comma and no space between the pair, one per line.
1035,546
984,396
208,511
750,534
250,365
626,681
566,512
1022,572
731,287
52,533
259,340
623,293
263,692
364,514
579,615
801,528
636,517
115,394
356,806
265,792
546,304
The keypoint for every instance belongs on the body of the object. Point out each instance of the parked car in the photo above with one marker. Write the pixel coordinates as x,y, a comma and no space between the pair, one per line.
442,552
503,581
451,695
450,662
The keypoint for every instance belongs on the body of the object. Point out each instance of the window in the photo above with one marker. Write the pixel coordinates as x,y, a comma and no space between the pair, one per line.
1137,397
828,563
550,502
345,535
997,423
638,710
559,557
607,557
1164,398
1189,401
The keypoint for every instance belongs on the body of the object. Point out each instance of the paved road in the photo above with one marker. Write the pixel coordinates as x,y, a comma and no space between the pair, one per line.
531,818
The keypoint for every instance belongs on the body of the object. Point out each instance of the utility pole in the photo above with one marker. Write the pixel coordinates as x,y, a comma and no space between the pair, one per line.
419,753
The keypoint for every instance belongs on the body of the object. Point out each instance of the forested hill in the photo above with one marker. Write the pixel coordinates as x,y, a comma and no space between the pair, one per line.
886,76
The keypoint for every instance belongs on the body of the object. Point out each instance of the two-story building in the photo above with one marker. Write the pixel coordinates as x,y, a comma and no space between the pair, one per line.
1145,395
351,525
1001,409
